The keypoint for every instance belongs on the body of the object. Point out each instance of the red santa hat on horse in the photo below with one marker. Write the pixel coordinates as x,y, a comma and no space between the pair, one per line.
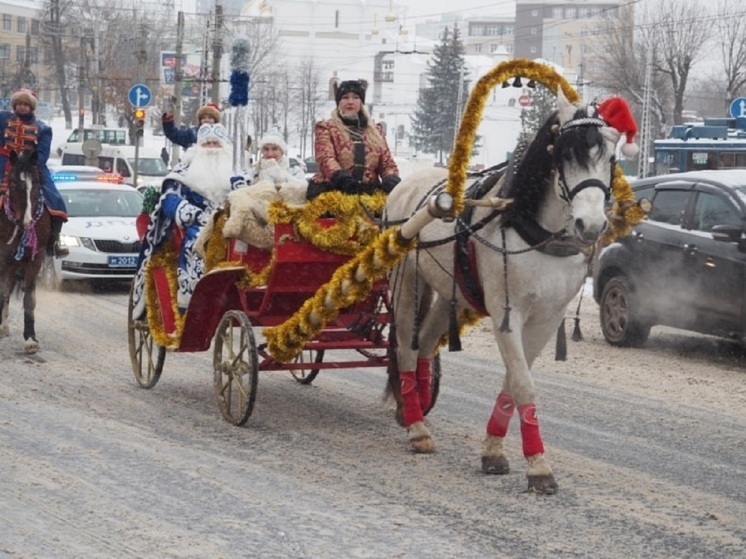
616,113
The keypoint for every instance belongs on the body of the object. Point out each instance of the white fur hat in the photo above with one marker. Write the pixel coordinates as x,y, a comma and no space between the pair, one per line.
274,137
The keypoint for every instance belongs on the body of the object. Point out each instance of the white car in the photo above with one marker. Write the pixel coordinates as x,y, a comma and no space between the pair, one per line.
100,232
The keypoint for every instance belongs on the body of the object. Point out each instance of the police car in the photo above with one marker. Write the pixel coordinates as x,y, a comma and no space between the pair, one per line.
100,231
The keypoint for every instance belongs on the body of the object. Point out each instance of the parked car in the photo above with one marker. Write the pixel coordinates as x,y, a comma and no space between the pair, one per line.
100,232
311,166
685,266
295,162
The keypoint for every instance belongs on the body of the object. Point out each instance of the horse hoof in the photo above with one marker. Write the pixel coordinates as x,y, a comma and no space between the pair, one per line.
542,484
495,465
422,445
30,347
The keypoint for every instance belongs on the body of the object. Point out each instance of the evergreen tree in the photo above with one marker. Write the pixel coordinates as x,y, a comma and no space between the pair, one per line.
438,114
533,117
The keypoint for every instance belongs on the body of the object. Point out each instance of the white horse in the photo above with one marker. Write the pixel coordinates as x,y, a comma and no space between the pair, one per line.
521,265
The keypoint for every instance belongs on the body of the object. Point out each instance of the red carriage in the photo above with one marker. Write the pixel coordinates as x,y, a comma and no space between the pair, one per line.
223,313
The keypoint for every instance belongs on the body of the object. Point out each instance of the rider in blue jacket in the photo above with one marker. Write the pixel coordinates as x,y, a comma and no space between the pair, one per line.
187,136
19,130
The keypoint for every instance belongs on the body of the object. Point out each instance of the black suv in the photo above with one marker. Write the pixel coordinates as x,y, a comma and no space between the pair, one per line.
685,266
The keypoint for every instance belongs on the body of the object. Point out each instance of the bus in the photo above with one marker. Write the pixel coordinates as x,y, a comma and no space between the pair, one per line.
716,143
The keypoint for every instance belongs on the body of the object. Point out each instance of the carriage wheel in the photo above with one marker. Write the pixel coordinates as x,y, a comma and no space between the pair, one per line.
235,367
306,376
147,356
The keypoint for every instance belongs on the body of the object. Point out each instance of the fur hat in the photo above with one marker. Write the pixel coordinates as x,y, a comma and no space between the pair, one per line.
24,96
616,113
357,87
209,109
274,136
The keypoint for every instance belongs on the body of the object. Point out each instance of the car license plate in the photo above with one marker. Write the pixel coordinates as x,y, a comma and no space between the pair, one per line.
122,261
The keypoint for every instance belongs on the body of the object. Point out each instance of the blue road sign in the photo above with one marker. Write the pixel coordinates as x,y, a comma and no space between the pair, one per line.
139,95
738,107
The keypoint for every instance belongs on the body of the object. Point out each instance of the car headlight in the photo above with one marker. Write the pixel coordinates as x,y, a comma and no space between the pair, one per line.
69,241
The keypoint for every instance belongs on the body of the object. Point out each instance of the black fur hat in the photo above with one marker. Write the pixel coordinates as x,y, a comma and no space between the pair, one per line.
351,86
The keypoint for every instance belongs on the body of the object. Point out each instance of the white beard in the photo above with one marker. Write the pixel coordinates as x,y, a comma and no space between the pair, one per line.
209,172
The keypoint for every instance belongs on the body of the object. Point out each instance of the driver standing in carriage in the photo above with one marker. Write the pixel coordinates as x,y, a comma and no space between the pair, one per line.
351,150
197,186
20,130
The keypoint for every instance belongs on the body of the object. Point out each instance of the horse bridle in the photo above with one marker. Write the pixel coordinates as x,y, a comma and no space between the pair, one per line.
567,193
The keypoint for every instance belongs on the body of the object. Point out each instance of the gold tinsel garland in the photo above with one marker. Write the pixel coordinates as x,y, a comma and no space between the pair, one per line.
167,259
353,229
287,340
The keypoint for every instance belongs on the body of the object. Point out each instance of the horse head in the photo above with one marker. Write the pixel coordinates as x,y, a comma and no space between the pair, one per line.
584,161
24,181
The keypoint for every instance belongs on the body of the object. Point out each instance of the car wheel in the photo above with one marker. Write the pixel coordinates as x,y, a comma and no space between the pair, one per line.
620,322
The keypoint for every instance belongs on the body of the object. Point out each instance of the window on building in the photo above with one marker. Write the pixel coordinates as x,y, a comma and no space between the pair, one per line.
21,24
582,13
583,31
20,53
34,26
477,48
6,22
34,55
4,51
570,13
557,13
493,48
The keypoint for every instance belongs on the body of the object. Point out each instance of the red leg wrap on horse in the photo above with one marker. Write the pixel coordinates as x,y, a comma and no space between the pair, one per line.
412,412
497,426
424,382
532,444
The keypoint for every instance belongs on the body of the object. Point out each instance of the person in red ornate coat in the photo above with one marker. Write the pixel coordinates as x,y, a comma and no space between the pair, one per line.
351,151
21,130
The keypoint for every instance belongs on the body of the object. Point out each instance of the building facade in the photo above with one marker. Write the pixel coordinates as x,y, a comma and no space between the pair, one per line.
562,32
24,59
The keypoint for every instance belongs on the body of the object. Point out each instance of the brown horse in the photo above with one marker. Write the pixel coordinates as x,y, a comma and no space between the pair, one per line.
24,234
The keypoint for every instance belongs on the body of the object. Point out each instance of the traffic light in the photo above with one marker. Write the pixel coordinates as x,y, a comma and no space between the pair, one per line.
138,118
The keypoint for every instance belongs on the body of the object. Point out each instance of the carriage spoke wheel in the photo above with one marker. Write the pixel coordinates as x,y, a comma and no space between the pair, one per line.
306,375
235,367
146,355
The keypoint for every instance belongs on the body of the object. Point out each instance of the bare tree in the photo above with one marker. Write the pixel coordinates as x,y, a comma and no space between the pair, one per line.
678,33
731,28
308,100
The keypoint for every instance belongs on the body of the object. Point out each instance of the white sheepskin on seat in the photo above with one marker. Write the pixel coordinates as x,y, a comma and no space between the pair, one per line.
248,219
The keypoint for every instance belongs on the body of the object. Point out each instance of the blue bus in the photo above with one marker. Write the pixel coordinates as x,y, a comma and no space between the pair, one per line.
717,143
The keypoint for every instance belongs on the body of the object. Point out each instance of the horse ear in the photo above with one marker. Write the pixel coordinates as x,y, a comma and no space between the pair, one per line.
566,109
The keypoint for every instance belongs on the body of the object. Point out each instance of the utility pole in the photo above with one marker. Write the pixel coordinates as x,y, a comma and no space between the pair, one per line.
643,163
96,89
178,79
81,91
217,52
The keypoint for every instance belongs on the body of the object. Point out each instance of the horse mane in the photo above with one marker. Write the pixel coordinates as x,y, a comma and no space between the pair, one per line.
25,161
533,172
